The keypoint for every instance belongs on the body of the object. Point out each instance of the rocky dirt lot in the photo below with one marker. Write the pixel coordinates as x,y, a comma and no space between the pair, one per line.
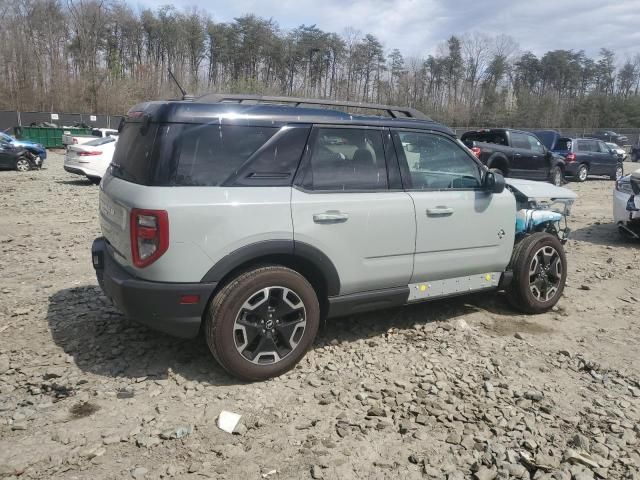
455,389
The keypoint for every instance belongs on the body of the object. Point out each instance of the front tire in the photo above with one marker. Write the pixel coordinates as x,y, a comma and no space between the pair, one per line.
262,323
556,176
23,165
583,173
618,173
539,266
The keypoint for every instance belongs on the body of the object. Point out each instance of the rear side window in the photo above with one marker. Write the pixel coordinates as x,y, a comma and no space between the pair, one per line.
535,145
520,140
207,155
587,146
347,159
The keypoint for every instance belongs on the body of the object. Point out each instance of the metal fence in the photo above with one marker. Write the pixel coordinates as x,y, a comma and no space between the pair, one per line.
9,119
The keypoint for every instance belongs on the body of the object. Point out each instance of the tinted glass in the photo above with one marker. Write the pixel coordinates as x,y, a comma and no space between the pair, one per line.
520,140
583,146
347,159
276,163
207,155
133,154
498,138
435,162
535,145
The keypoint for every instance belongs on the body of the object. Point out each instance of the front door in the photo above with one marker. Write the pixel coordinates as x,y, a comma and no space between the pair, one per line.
461,228
540,159
350,206
522,165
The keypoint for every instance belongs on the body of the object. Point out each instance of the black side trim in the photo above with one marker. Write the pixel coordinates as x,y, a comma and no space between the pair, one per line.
367,301
268,248
505,280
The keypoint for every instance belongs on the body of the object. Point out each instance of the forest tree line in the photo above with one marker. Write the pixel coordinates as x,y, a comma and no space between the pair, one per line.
102,56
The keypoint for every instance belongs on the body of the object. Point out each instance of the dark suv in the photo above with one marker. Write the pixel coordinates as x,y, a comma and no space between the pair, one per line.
583,156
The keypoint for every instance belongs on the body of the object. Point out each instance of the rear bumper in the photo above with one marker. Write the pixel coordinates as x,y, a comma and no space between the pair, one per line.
155,304
571,169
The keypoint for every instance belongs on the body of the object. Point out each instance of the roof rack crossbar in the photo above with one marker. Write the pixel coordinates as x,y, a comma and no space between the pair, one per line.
392,111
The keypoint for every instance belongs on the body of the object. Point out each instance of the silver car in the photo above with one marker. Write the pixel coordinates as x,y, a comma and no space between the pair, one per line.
251,218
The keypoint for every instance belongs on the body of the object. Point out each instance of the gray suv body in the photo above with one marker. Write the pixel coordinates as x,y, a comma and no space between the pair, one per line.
251,222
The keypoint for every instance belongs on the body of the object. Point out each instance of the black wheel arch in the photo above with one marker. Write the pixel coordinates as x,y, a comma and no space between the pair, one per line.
306,259
499,160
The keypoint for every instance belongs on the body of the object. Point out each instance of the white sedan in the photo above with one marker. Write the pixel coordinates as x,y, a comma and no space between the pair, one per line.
91,159
626,204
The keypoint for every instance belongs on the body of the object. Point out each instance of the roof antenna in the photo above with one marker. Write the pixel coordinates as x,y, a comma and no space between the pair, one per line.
185,95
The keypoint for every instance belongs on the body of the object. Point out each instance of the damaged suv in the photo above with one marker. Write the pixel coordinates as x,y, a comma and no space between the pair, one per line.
252,218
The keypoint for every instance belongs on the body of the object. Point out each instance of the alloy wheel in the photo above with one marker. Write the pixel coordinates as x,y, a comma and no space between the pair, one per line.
545,274
22,165
583,173
269,325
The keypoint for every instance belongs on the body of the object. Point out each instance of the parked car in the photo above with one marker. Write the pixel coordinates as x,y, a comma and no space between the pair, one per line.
69,139
626,204
90,159
38,151
583,156
516,154
255,220
14,157
609,136
619,151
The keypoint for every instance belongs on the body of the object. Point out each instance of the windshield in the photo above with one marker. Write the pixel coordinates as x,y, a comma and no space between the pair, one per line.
6,138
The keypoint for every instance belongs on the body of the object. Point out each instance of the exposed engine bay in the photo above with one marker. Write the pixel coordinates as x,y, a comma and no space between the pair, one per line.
541,207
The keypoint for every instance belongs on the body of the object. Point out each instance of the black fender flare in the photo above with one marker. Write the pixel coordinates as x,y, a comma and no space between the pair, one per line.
276,249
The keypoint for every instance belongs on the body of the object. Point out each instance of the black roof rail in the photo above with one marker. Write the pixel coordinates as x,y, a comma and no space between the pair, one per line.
392,111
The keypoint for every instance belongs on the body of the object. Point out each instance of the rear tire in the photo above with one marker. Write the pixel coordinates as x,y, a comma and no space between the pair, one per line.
262,323
583,173
539,266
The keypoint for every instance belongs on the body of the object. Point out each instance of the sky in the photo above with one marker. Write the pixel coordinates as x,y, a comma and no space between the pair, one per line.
417,27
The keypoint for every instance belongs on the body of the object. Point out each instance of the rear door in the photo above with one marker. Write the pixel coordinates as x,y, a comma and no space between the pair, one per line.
349,204
461,228
522,162
584,153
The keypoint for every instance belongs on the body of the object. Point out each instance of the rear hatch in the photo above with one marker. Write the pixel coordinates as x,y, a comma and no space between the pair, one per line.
122,186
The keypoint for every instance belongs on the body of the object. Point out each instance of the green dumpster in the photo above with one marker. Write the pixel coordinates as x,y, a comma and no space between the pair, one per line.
46,136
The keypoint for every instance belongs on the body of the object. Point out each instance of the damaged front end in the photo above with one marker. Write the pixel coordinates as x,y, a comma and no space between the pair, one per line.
541,207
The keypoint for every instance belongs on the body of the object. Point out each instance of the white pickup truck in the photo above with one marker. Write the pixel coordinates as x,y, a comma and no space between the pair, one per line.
69,139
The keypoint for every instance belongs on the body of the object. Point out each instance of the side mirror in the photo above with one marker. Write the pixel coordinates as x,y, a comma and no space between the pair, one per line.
493,182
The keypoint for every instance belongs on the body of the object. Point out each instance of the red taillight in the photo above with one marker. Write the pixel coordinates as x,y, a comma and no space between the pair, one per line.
476,151
149,236
89,154
570,157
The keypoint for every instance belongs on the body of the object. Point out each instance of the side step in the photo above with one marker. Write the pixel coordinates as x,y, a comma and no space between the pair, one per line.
453,286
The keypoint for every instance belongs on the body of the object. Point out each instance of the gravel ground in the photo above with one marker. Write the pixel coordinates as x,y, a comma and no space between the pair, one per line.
462,388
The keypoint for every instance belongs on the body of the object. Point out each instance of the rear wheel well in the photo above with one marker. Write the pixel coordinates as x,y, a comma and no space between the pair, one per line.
500,163
299,264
